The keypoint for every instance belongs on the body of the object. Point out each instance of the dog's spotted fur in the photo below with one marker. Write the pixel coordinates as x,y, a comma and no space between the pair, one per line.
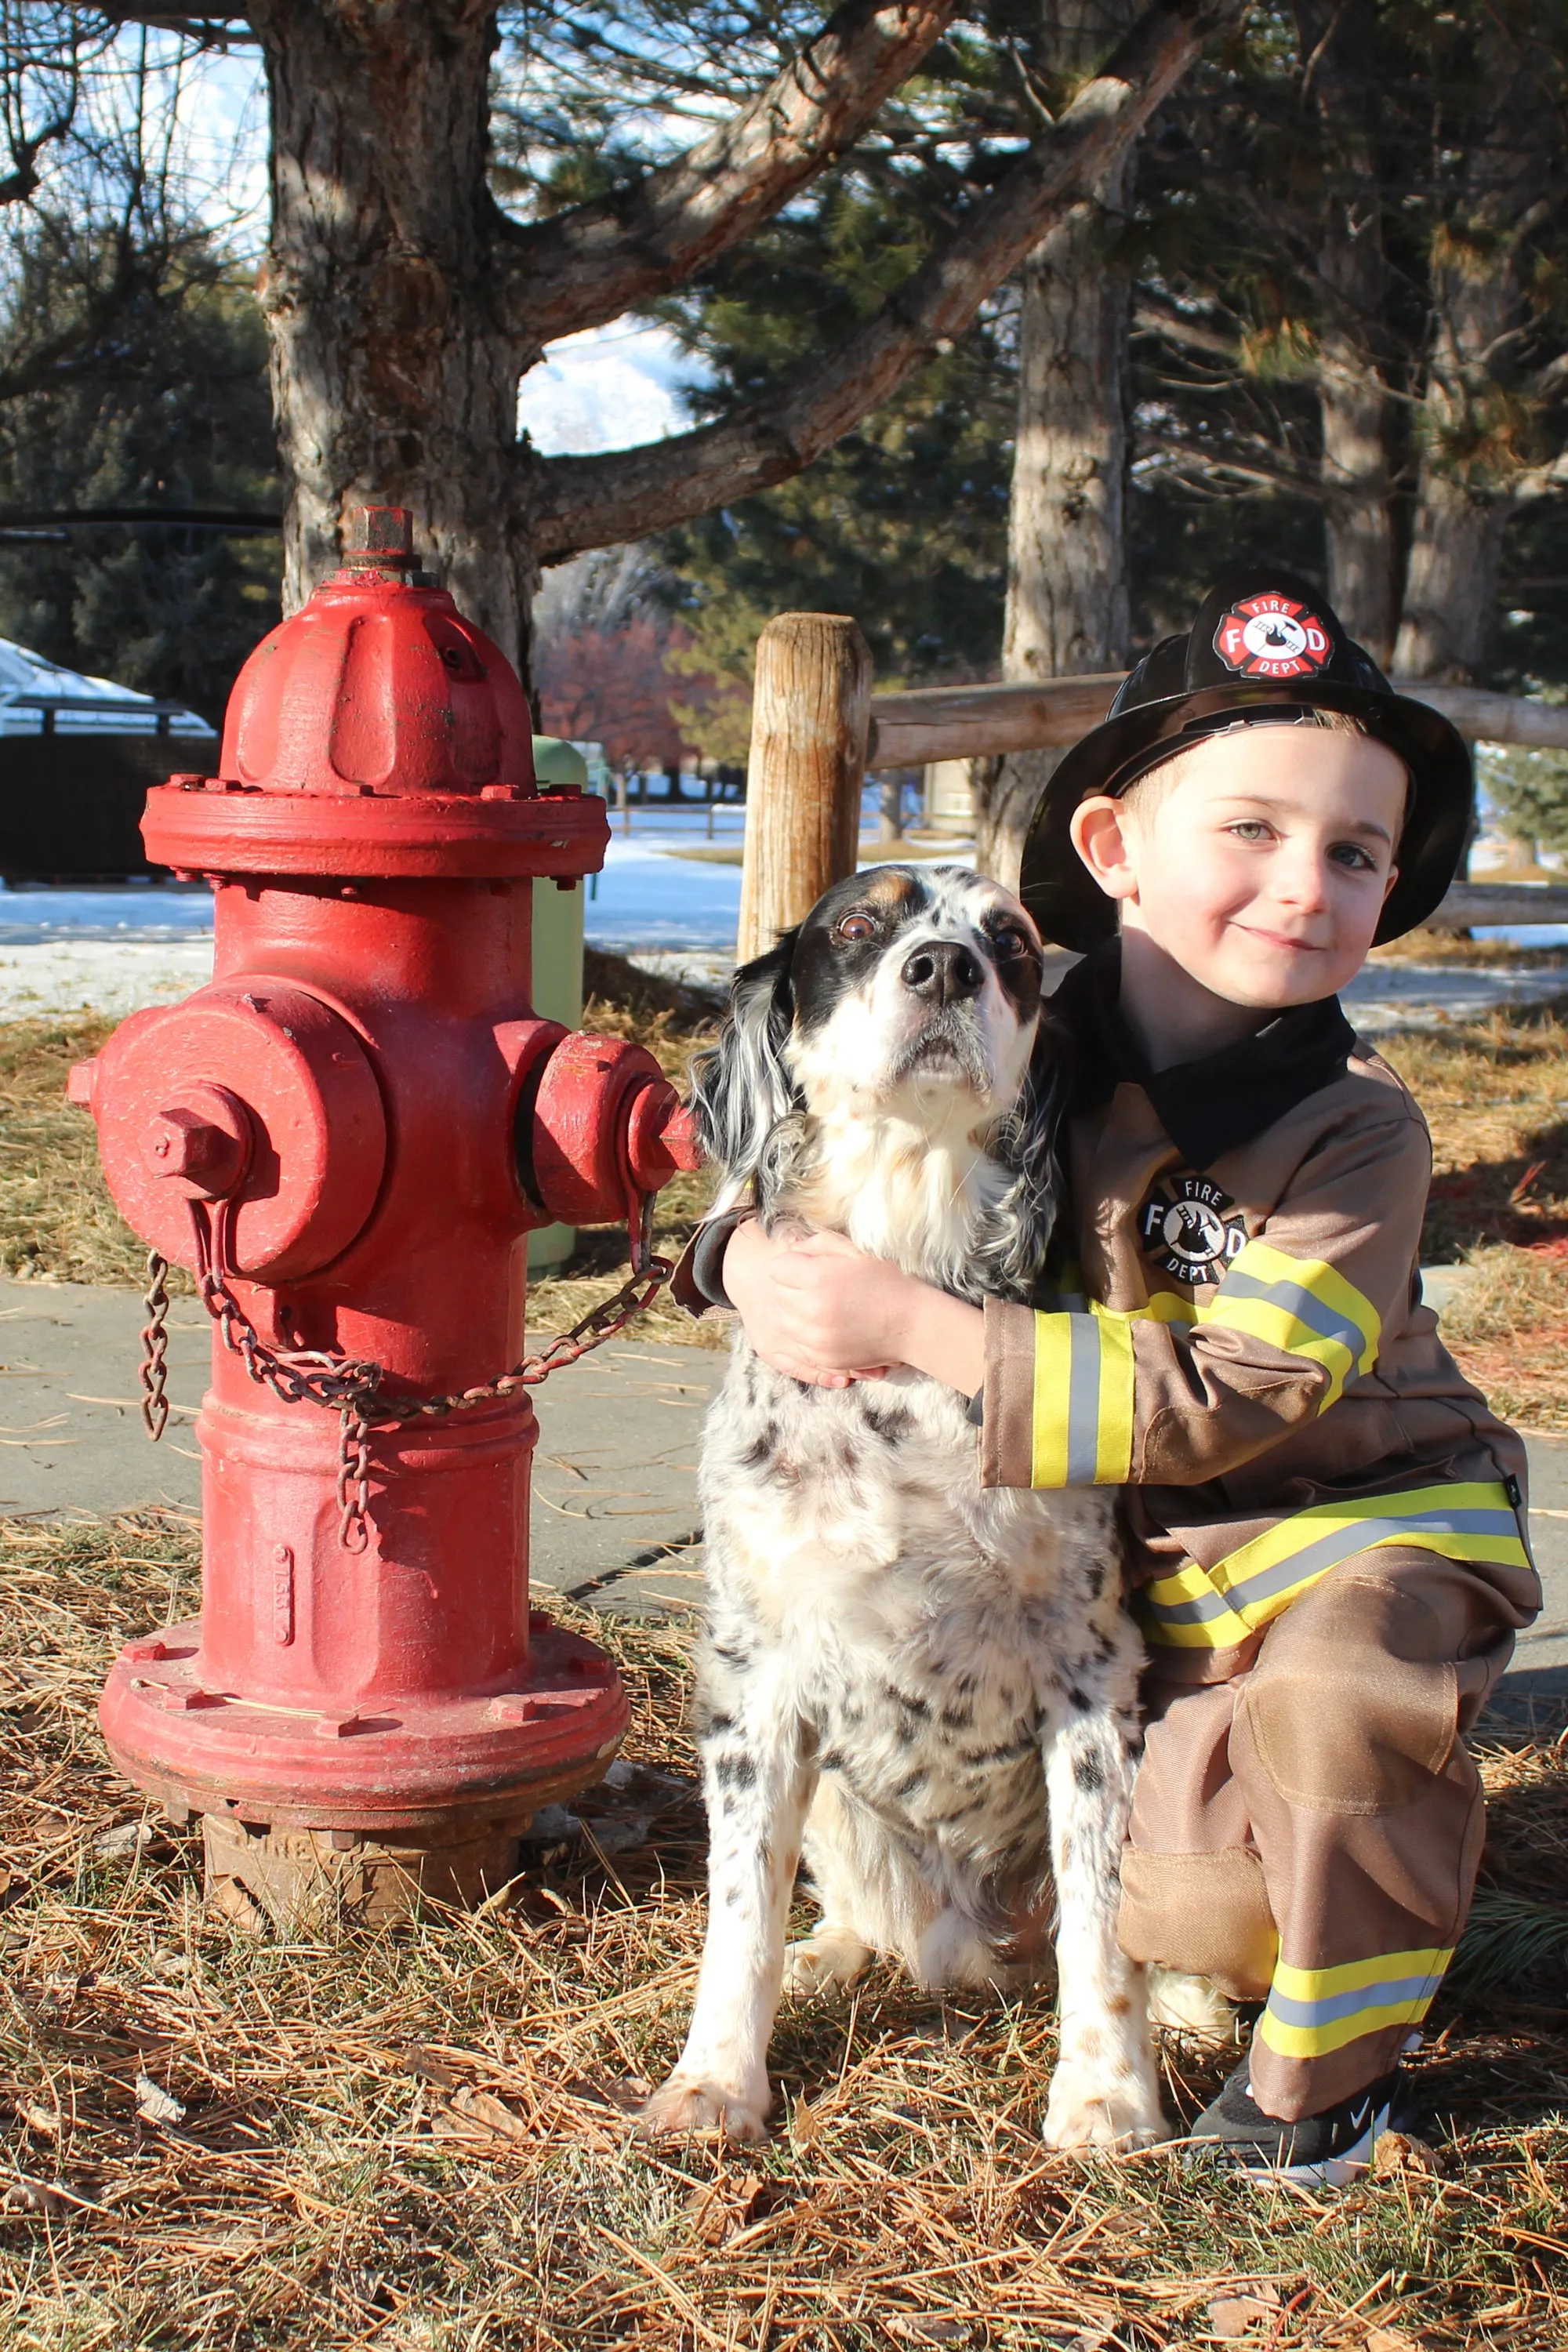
925,1689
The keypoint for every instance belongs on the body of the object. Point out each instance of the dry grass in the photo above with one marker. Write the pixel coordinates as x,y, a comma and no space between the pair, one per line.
1495,1093
1424,947
56,1215
1508,1327
420,2141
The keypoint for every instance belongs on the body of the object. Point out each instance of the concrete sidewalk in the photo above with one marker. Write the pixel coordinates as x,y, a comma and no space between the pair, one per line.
615,1519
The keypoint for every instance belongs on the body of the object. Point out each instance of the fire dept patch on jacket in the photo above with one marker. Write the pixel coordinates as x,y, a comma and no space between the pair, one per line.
1245,1346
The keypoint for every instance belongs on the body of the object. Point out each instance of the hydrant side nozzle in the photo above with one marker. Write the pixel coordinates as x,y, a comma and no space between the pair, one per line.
661,1135
81,1080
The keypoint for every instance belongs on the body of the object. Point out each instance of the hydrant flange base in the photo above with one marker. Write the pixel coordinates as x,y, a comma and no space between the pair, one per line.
421,1764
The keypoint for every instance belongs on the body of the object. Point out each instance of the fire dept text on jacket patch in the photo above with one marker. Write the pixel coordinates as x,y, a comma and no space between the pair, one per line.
1191,1229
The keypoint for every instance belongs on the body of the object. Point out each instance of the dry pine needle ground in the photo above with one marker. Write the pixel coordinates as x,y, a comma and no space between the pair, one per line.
420,2140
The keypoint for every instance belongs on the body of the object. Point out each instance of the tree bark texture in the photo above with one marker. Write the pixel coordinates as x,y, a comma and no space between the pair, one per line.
1067,554
1336,37
403,308
811,709
1471,465
395,377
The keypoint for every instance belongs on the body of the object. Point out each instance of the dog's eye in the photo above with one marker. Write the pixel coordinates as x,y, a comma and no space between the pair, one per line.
1009,941
857,926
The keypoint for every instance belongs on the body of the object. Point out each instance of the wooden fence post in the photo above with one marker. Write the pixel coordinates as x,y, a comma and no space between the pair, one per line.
810,715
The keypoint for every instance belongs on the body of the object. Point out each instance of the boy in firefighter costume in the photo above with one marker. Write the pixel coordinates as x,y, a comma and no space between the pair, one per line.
1325,1523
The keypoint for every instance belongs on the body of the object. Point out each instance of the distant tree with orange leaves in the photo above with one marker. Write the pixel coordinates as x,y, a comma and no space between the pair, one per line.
635,690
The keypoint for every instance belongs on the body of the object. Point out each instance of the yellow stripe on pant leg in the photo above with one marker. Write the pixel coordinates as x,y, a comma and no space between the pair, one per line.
1194,1608
1313,2012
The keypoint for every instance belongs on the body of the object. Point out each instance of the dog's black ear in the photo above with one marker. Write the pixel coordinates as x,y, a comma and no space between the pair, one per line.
1013,1253
740,1087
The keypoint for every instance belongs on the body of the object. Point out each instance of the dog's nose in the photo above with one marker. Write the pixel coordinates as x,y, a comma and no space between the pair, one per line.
945,971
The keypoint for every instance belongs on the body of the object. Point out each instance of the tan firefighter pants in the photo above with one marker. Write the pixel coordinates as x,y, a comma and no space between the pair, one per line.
1308,1833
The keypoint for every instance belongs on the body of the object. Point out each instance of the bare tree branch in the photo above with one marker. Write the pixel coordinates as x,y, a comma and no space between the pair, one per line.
1250,462
593,501
1156,314
22,180
583,267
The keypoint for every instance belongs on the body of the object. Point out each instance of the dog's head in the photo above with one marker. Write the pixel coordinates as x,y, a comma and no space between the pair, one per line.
909,993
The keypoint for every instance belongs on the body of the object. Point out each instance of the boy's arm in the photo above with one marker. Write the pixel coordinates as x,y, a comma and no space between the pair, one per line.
820,1310
1106,1399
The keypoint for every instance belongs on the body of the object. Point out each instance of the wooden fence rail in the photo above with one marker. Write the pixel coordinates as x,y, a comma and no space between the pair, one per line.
967,722
817,730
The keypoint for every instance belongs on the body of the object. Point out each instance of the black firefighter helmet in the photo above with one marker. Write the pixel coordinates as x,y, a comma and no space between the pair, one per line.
1264,647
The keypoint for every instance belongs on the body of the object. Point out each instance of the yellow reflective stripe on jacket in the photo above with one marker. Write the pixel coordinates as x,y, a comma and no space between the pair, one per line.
1217,1608
1300,1306
1083,1400
1312,2011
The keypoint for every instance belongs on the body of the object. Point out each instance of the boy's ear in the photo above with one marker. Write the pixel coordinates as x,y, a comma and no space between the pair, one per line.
1100,836
1392,878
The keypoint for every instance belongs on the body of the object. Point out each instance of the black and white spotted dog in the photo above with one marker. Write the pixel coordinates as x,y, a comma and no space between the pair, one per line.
925,1687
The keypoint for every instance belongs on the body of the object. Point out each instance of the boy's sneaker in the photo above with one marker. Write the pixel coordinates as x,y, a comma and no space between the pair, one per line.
1321,2151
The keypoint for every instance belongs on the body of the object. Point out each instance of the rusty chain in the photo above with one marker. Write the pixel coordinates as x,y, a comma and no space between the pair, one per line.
154,1367
352,1389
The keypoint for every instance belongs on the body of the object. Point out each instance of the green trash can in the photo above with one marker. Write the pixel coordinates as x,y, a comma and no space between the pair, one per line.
557,965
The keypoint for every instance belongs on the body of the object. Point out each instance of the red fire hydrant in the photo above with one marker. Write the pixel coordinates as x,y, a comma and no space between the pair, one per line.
347,1137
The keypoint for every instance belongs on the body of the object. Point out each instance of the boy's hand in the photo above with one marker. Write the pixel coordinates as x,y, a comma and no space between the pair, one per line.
822,1311
818,1309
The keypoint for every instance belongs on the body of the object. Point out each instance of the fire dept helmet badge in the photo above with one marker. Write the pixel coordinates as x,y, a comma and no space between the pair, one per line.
1271,635
1190,1229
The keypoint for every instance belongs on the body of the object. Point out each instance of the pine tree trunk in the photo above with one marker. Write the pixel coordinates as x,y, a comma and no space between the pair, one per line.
1462,498
1471,426
1067,557
393,380
1450,580
1353,402
1358,521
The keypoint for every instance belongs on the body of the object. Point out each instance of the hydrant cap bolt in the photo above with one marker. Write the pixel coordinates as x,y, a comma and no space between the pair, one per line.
382,536
183,1146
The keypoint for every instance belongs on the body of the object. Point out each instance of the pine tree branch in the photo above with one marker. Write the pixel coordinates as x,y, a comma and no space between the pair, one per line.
1253,463
596,501
581,267
1156,314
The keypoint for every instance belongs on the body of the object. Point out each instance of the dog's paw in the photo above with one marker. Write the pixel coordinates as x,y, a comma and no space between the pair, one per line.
826,1962
1191,2005
685,2106
1084,2110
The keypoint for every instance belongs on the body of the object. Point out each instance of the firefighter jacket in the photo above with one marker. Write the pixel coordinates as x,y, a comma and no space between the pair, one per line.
1246,1350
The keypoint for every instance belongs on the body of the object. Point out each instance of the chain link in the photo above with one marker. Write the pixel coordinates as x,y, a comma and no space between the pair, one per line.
153,1372
352,1389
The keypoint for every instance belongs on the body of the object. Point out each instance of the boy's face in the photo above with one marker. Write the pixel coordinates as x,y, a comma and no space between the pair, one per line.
1260,866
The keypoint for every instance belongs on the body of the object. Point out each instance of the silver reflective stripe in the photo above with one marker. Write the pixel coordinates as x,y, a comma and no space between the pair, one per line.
1361,1534
1295,1300
1083,1402
1188,1612
1340,1543
1336,2005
